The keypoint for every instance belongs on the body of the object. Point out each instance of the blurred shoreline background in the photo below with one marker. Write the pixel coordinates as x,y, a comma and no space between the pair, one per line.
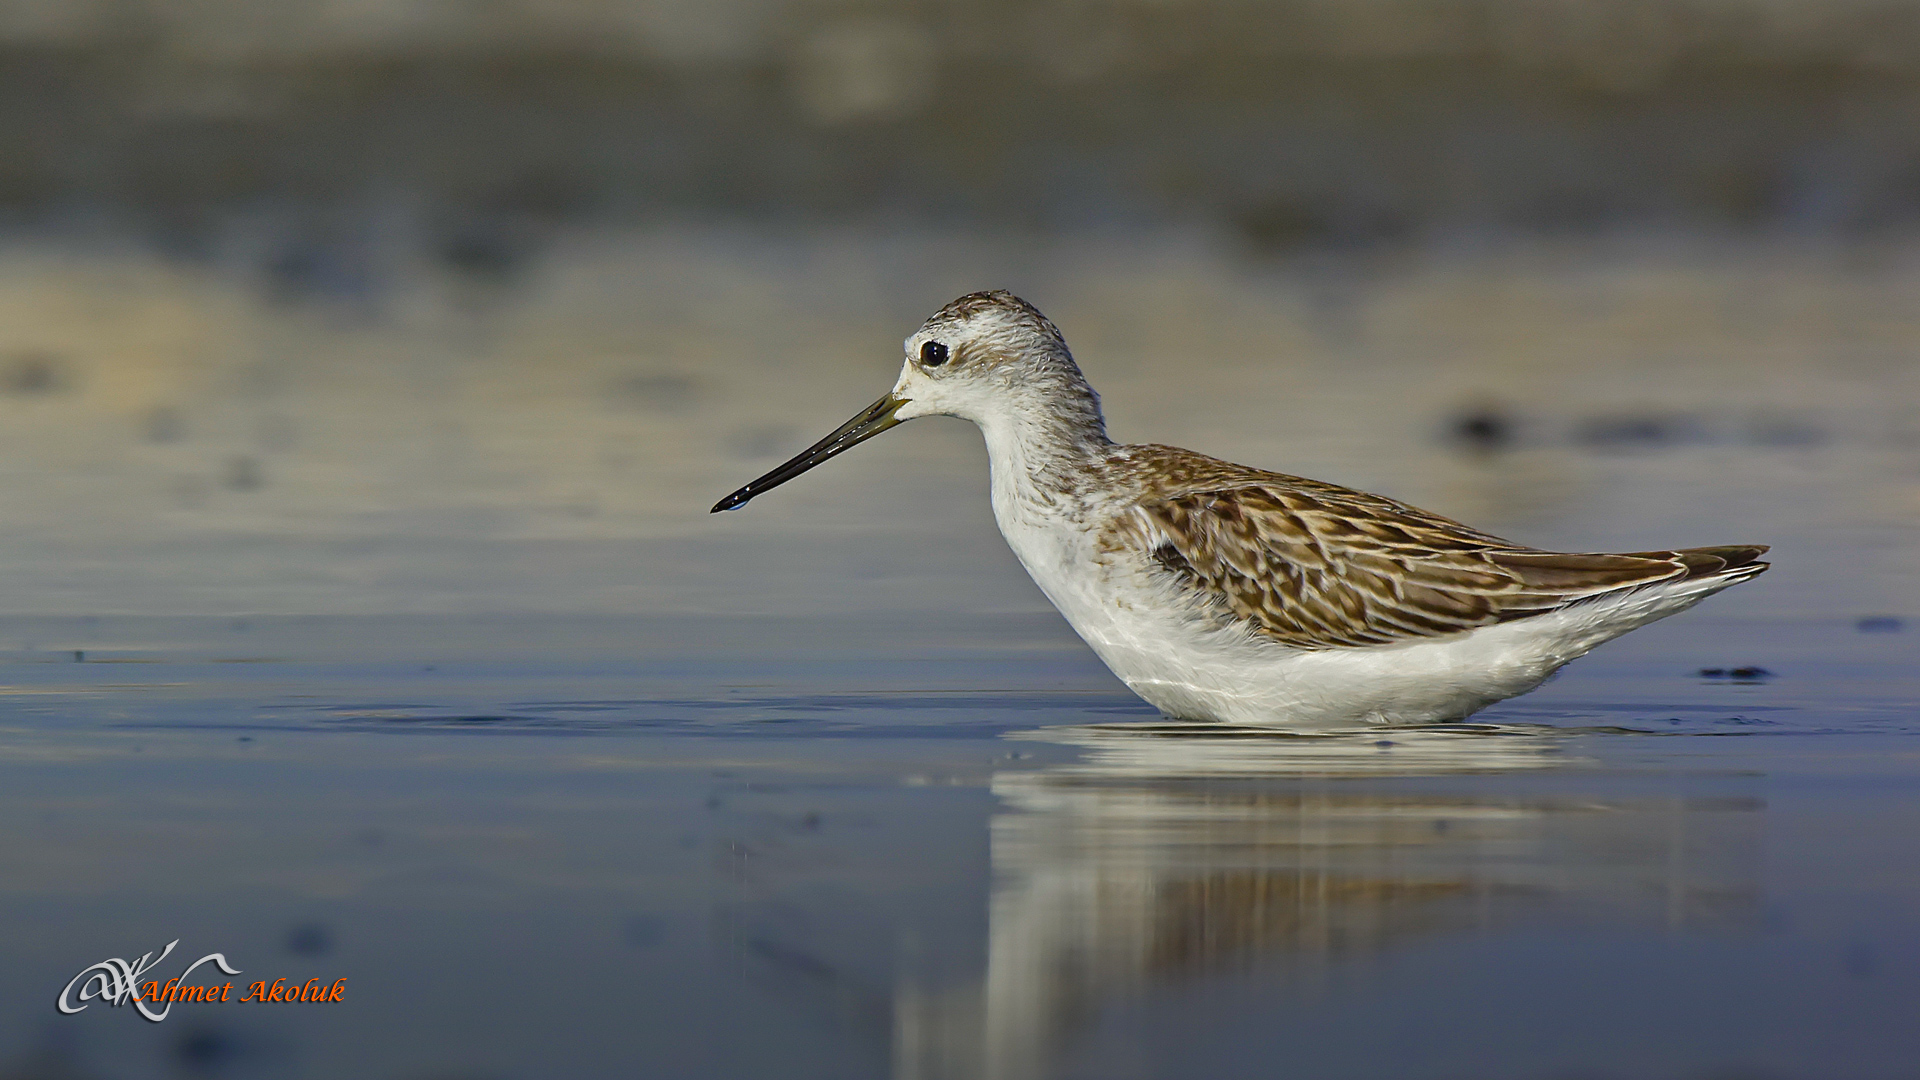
411,305
1286,124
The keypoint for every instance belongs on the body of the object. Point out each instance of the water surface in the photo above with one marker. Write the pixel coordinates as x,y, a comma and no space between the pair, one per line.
545,846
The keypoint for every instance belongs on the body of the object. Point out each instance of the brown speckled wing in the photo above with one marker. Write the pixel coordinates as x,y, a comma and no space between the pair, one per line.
1317,566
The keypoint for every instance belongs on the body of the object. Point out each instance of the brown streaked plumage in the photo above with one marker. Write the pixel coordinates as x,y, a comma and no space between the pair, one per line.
1317,566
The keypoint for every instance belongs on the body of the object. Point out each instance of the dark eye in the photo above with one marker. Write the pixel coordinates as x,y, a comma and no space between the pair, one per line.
933,354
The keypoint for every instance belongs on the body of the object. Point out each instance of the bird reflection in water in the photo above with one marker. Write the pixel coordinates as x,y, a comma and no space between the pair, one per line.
1167,854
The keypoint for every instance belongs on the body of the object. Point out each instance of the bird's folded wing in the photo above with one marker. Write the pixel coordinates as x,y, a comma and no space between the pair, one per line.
1315,566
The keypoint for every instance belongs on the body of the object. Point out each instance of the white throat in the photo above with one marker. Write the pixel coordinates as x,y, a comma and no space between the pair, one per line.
1038,464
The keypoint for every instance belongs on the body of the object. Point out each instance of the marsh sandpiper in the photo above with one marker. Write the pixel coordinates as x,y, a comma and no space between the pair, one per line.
1229,594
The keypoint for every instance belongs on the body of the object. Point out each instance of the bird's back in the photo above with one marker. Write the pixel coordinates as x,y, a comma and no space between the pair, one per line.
1315,565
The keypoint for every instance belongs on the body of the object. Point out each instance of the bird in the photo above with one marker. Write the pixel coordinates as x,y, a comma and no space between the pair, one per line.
1233,595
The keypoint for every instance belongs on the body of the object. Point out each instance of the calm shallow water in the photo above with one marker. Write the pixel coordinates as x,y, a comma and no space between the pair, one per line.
893,847
823,789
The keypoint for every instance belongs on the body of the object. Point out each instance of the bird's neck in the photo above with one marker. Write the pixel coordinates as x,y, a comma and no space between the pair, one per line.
1041,453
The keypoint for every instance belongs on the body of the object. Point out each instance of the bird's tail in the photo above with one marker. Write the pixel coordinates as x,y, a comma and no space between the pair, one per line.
1726,565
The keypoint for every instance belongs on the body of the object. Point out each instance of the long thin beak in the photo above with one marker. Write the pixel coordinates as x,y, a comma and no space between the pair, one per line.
876,418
